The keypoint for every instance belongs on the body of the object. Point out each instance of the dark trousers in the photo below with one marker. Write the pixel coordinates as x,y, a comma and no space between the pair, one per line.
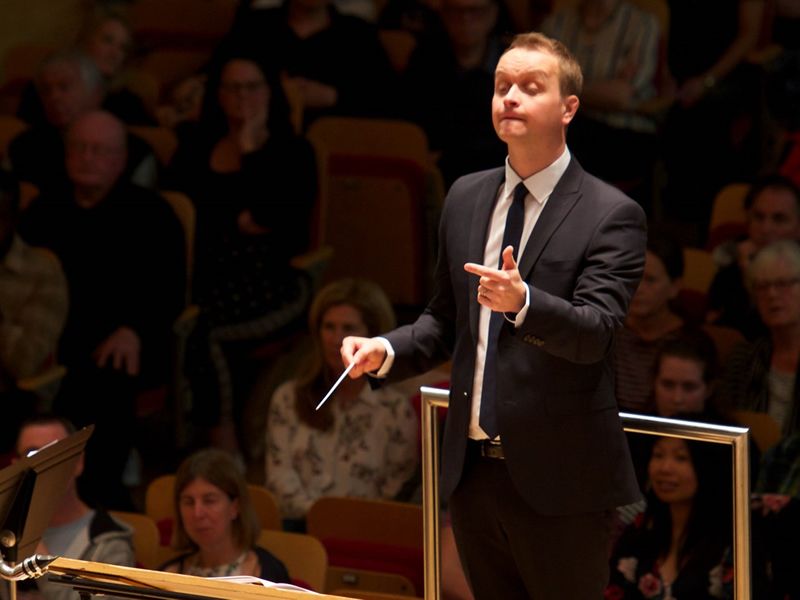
509,551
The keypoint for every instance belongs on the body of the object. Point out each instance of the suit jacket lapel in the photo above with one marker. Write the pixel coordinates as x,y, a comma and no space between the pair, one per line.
561,201
479,227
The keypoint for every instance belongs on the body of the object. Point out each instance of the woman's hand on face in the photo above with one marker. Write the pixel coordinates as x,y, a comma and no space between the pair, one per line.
248,225
253,132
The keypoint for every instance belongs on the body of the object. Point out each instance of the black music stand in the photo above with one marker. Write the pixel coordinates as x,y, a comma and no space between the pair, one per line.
30,490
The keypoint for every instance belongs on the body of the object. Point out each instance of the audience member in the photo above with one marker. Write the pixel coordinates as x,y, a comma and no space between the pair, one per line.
33,308
70,85
253,182
773,213
781,98
776,515
680,547
650,321
685,371
122,250
706,133
684,374
762,375
457,63
107,40
217,526
75,530
616,44
335,61
362,442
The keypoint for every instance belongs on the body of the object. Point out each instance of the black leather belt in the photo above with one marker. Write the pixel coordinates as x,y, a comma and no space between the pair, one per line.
489,448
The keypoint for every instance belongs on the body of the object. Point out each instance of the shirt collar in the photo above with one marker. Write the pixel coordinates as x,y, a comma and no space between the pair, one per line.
542,183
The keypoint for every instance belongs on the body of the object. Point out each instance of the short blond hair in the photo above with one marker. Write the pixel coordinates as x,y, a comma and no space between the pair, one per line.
570,76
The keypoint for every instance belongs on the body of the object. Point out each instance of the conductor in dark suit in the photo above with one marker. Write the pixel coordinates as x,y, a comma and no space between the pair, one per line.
534,456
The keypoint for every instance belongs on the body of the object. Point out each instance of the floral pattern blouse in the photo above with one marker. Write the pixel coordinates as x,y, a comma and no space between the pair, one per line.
370,452
634,575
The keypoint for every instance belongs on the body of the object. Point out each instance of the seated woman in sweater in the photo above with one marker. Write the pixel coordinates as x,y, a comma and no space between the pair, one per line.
216,526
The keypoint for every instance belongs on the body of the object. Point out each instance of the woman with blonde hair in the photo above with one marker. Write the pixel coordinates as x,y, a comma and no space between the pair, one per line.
362,442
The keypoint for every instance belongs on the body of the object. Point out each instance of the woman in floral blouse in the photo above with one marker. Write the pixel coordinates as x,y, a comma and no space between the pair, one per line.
680,547
362,442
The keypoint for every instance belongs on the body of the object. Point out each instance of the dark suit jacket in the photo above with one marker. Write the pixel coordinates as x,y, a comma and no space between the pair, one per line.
564,445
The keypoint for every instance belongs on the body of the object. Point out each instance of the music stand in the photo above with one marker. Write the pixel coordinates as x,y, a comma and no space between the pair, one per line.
30,490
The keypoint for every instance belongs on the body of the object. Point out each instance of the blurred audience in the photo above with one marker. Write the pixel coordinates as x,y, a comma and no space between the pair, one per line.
617,46
75,530
70,85
773,213
650,322
107,40
33,305
122,250
217,527
457,61
762,375
253,182
709,133
335,61
776,515
362,442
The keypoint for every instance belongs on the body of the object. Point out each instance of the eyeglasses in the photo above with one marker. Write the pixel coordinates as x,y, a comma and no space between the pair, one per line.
780,285
233,87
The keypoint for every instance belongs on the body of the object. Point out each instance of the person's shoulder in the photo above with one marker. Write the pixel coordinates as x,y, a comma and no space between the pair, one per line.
41,260
272,569
103,523
477,178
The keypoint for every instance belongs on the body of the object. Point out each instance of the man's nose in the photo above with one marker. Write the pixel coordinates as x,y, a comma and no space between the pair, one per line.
512,96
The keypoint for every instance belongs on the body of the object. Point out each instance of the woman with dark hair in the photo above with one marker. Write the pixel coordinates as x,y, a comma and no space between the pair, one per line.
362,442
253,182
680,547
649,323
217,527
685,369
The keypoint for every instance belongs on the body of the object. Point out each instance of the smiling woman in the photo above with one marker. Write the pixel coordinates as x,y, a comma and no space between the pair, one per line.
680,547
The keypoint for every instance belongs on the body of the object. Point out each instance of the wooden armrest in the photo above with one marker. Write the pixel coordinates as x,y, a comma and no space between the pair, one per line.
38,382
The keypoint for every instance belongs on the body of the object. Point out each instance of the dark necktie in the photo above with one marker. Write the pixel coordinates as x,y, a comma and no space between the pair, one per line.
515,219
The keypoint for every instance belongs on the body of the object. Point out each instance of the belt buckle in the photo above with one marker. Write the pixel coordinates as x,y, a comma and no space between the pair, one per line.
492,449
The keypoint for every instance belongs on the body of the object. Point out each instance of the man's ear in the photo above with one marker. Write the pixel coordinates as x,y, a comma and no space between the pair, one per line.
571,104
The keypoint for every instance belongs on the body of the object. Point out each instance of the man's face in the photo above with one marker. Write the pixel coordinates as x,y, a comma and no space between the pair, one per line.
64,94
95,152
773,216
469,22
34,437
528,106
